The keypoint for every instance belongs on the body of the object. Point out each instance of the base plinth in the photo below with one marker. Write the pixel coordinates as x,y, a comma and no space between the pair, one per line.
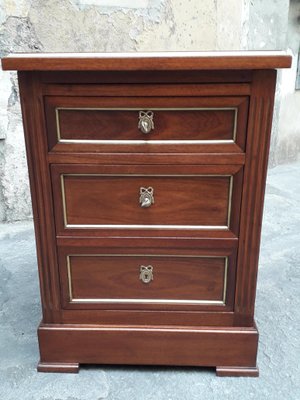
232,350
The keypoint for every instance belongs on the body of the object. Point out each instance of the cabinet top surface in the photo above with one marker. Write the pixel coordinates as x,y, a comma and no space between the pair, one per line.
146,61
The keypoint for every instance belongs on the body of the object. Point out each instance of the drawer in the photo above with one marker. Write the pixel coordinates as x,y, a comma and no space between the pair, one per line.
96,121
142,197
132,280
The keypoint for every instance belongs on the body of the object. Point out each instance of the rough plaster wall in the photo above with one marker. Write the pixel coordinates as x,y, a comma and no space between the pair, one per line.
288,138
103,25
231,19
16,34
268,25
115,25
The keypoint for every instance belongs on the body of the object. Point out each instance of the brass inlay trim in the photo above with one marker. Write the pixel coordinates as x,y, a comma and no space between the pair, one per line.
225,280
149,141
229,200
69,272
146,301
132,226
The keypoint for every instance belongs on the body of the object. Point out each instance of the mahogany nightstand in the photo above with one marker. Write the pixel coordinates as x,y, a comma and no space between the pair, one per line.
147,176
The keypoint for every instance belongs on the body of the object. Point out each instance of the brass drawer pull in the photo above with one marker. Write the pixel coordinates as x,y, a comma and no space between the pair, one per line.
146,123
146,196
146,273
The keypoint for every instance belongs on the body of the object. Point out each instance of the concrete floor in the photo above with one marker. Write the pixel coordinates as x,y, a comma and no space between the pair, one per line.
277,315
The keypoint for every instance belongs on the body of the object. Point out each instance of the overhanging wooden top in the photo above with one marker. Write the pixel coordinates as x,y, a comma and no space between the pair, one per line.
146,61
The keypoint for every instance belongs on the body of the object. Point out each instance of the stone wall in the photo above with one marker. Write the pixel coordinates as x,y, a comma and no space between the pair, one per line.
287,147
115,25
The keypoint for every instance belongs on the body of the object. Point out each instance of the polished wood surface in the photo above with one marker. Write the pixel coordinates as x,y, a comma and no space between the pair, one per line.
225,77
148,345
116,272
77,154
193,197
114,200
78,122
106,235
169,125
259,128
147,61
117,277
41,194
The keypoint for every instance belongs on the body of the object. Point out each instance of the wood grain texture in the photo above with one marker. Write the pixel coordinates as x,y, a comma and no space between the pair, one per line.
208,316
114,119
148,345
259,131
174,278
200,314
41,195
168,125
224,77
187,238
220,156
108,197
114,200
222,336
144,90
146,61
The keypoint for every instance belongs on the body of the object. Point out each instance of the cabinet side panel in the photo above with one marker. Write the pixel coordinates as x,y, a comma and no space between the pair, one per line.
40,186
257,151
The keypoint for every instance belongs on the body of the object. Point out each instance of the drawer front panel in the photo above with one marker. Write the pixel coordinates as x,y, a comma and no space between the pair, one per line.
144,200
122,121
144,279
114,200
122,124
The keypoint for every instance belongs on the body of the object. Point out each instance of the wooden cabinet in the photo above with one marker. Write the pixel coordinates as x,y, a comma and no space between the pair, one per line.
147,175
